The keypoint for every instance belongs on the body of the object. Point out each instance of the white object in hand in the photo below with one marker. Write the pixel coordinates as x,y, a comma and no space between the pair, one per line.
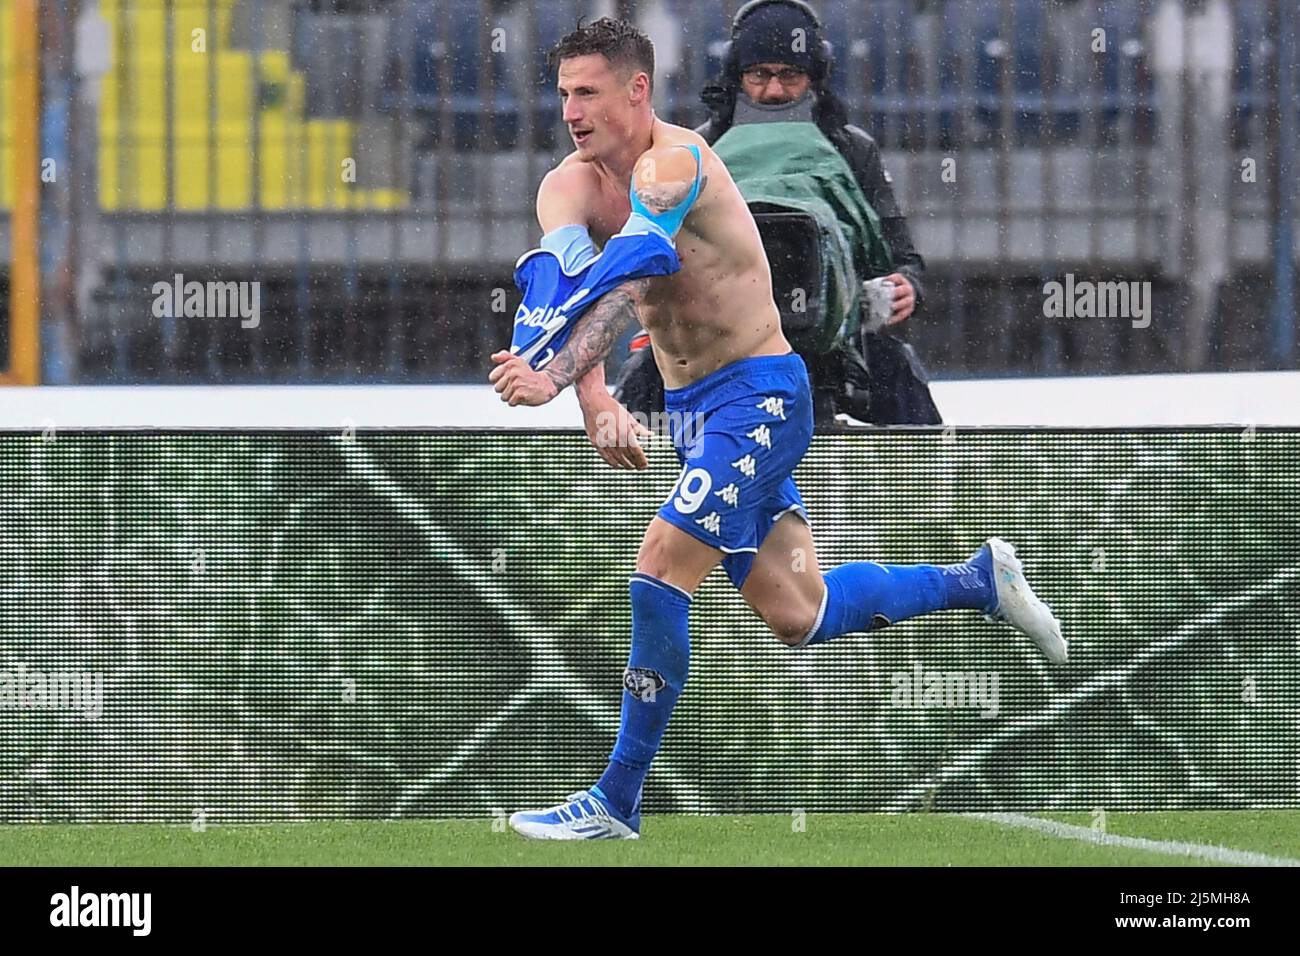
878,304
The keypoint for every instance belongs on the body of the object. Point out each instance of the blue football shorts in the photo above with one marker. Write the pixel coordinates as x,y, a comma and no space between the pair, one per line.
739,433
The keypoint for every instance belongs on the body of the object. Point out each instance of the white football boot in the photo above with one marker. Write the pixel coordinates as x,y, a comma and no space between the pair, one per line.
587,815
1018,606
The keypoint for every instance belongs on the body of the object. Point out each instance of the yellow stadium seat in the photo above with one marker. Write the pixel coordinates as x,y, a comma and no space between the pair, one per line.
214,106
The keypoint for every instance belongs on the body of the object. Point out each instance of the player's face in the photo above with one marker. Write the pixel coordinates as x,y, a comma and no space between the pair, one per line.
599,105
773,83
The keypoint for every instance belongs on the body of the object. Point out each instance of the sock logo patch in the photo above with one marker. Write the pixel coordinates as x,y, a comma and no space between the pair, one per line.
643,683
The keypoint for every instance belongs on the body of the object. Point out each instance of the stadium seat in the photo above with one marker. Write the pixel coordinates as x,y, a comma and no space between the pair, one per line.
1023,50
449,37
552,20
710,24
704,29
887,35
209,148
1251,35
1126,87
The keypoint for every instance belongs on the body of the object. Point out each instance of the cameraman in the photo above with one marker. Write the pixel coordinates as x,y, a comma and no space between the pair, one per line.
769,77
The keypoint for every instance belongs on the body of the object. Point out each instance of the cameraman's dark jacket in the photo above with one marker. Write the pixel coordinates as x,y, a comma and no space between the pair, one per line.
885,386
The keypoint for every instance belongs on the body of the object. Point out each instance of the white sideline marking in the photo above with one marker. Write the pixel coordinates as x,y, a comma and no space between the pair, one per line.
1068,831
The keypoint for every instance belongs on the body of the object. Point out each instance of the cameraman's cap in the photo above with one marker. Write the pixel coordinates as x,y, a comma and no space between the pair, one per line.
768,35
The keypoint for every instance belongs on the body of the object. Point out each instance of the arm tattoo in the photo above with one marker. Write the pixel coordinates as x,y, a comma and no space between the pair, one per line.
660,197
596,333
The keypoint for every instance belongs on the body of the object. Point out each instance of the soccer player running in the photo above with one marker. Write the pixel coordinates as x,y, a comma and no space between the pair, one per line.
717,339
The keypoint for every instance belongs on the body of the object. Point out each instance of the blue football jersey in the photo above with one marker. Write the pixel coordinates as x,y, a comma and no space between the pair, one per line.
559,287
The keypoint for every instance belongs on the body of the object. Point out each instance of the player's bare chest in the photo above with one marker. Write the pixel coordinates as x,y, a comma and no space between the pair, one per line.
608,215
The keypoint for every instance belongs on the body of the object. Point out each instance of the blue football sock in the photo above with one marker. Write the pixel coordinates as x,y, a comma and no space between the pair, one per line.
865,596
655,675
970,584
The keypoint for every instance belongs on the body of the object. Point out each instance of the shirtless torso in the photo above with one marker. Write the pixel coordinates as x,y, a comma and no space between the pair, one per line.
719,307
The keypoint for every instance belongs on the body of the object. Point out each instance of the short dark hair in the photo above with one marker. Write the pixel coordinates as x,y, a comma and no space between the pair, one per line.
618,41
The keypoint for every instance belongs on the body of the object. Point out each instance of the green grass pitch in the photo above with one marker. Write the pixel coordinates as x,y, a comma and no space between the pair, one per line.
827,839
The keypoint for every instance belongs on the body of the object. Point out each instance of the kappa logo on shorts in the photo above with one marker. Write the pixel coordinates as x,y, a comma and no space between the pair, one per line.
711,523
746,465
643,683
763,435
773,406
730,494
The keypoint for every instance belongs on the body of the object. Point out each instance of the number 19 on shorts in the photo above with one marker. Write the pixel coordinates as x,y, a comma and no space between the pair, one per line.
690,491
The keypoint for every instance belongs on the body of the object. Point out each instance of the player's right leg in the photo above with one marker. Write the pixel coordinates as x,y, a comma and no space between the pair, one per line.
670,566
